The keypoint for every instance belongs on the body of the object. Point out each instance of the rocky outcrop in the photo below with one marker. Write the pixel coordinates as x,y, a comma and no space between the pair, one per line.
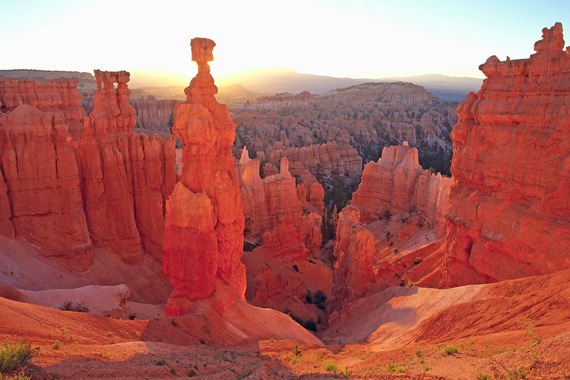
367,117
42,196
274,212
102,185
125,176
398,184
203,235
153,114
354,253
58,97
509,213
321,160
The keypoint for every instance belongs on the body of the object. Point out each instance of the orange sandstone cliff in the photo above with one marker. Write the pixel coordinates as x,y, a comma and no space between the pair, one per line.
40,189
389,233
71,182
125,176
276,211
397,183
203,235
509,212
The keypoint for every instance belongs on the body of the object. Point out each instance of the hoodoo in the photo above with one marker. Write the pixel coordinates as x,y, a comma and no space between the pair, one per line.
203,235
509,213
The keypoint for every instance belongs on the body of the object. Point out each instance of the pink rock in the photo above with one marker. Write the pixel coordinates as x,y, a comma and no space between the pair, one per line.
509,212
203,235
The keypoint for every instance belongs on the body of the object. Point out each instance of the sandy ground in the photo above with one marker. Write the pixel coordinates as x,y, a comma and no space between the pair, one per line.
508,330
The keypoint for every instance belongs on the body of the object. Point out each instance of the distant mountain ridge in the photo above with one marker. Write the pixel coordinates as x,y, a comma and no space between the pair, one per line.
287,80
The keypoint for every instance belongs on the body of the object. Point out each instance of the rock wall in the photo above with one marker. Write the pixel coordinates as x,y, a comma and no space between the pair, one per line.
102,185
203,235
58,97
509,212
42,196
154,114
125,176
275,212
354,253
324,158
397,183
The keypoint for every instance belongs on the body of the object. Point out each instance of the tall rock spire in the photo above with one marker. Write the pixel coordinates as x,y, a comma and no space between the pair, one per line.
203,237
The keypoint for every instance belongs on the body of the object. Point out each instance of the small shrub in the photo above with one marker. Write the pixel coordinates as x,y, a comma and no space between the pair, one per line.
419,355
395,367
78,307
132,316
14,355
161,362
417,260
309,298
516,374
202,340
331,367
17,376
320,297
56,345
394,250
310,325
191,373
297,351
534,340
450,350
483,376
174,322
172,370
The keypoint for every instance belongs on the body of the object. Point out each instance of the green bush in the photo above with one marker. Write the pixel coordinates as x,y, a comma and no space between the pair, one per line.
78,307
14,355
450,350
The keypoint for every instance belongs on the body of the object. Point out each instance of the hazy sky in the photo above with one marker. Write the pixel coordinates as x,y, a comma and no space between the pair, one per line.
348,38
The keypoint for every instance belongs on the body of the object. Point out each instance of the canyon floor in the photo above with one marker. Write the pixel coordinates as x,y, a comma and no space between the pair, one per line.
507,330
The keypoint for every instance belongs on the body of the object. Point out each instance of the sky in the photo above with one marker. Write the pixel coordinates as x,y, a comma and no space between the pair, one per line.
341,38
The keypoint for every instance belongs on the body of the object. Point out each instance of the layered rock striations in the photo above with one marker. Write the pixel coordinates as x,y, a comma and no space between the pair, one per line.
203,235
40,189
102,185
153,114
125,176
391,226
276,212
367,117
58,97
321,160
509,212
354,253
398,184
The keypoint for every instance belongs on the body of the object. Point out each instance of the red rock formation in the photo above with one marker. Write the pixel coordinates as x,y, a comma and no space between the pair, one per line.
125,176
253,196
58,97
42,184
354,252
154,114
326,158
274,212
203,235
509,212
397,183
105,188
6,226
